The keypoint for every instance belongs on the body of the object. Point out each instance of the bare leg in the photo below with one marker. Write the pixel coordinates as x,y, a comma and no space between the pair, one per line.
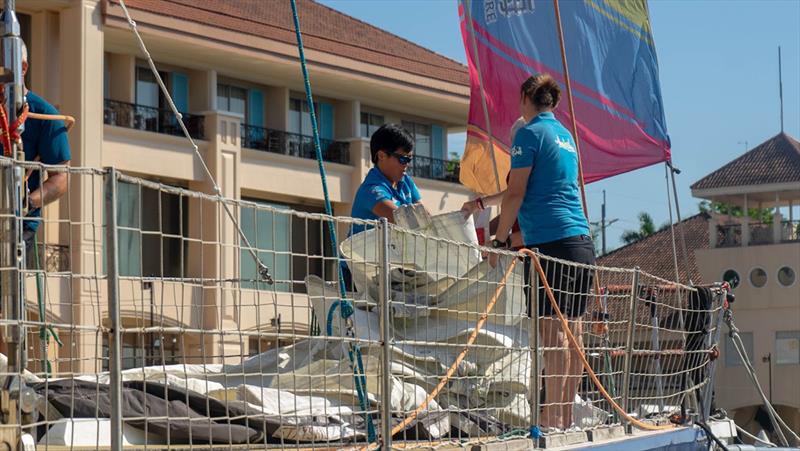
555,366
574,372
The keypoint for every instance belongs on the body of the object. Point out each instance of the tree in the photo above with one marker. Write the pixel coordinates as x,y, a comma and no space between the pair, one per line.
763,215
646,228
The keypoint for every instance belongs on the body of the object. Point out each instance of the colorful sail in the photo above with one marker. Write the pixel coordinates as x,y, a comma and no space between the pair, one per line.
613,71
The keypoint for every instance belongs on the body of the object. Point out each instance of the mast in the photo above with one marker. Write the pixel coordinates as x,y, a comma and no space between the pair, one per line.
12,251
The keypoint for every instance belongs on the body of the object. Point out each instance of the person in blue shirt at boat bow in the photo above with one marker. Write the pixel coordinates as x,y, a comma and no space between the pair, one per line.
544,195
387,186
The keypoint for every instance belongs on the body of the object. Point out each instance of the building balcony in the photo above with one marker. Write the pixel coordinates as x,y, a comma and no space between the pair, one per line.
435,168
790,231
757,233
293,144
158,120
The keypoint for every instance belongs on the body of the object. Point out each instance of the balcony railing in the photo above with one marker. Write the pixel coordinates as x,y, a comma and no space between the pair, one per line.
158,120
790,231
434,168
286,143
729,235
761,233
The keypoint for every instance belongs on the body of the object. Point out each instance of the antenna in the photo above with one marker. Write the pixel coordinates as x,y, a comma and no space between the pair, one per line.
780,85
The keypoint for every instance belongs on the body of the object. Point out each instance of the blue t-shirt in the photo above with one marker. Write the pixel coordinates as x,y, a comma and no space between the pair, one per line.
46,140
551,209
377,188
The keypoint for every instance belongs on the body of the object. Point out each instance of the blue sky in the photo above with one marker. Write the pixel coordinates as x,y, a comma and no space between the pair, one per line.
719,79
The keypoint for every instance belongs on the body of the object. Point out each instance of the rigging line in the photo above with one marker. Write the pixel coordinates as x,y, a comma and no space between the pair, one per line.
738,344
346,309
571,108
681,226
471,31
672,233
263,270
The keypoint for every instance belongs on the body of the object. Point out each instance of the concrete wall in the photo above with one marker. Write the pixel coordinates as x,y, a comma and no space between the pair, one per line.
762,312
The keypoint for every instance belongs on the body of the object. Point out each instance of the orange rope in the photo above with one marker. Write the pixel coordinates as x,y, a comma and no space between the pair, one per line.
574,343
69,121
9,133
450,371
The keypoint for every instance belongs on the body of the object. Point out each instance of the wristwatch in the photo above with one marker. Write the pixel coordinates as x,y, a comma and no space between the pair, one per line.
497,244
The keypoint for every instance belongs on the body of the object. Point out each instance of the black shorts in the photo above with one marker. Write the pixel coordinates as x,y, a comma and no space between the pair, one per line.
570,284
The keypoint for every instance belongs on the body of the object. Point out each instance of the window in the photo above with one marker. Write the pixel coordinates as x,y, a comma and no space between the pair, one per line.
292,247
731,356
758,277
149,247
422,138
140,350
106,75
732,277
269,234
369,123
25,28
786,276
300,117
147,91
232,99
787,347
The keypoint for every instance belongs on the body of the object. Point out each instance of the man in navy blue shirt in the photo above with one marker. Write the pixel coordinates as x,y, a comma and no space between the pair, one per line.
386,186
46,142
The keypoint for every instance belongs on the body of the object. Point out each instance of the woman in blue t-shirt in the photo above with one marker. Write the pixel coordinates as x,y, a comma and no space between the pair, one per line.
543,194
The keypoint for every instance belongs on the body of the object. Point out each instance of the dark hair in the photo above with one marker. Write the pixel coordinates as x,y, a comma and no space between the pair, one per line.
542,91
389,138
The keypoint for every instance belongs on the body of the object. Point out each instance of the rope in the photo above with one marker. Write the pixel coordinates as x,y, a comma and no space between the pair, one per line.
69,121
681,233
453,367
571,109
754,438
711,435
777,421
263,270
45,331
9,133
574,343
345,307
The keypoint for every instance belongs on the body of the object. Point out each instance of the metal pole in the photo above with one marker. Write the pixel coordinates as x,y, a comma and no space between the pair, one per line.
780,85
626,375
386,352
112,265
571,107
655,345
534,343
603,221
471,31
13,254
713,341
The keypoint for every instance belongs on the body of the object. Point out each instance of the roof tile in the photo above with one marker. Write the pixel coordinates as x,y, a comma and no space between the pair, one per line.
653,254
324,29
776,160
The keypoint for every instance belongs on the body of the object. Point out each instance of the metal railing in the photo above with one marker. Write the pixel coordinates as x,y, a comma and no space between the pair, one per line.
296,145
790,231
729,235
435,168
431,344
761,233
158,120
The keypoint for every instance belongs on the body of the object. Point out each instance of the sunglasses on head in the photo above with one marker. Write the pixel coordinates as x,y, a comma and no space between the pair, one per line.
403,159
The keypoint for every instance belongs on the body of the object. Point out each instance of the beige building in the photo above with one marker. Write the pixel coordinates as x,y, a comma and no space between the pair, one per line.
232,68
761,259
